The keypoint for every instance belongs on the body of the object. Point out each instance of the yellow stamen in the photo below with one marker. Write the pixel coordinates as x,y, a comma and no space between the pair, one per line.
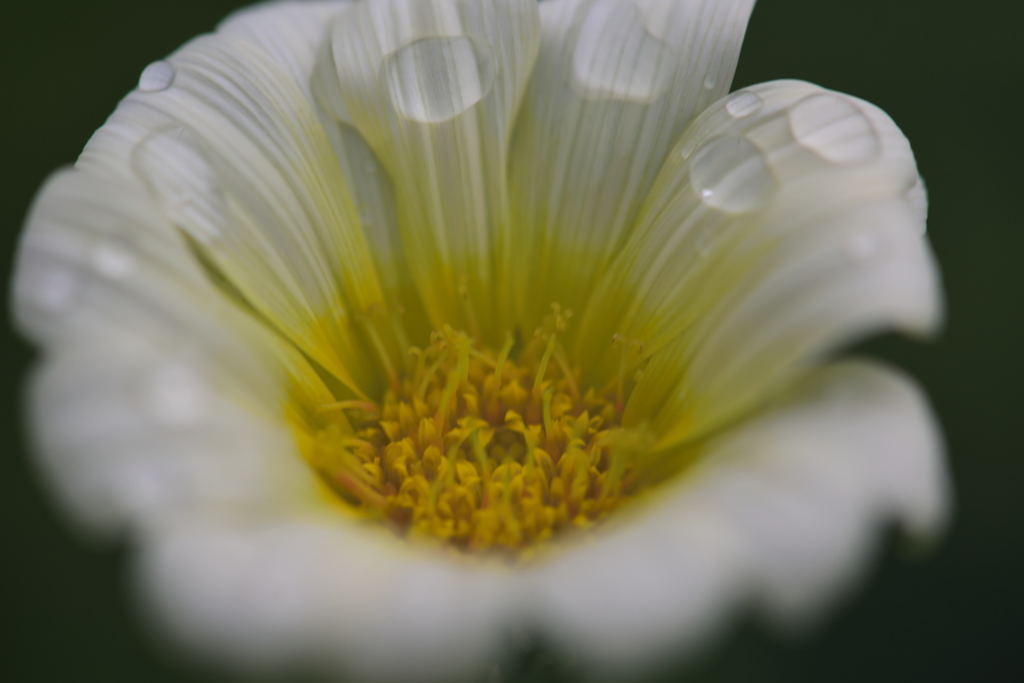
480,450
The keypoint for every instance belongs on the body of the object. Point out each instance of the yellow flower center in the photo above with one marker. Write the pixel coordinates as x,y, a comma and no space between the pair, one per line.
482,449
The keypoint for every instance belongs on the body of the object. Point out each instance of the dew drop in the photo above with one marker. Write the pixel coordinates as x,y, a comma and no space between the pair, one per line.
113,259
834,128
860,247
157,76
743,104
178,174
616,57
709,83
174,396
435,79
730,173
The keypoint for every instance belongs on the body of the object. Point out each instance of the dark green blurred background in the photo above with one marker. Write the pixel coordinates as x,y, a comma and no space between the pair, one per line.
952,76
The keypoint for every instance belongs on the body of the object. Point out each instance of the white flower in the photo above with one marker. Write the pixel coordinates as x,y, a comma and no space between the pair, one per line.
324,302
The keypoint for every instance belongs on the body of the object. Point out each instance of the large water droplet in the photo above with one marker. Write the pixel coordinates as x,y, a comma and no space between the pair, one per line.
616,57
174,396
835,128
730,173
113,259
742,104
156,77
178,174
435,79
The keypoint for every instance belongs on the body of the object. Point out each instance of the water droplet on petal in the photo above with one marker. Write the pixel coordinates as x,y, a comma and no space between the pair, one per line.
113,259
860,247
742,104
709,83
616,57
730,173
174,396
157,76
835,128
435,79
178,174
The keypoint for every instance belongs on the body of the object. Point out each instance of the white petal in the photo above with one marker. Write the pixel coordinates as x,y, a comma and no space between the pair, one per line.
781,513
89,268
86,263
616,81
784,223
235,156
294,34
158,392
269,593
132,431
432,87
97,262
856,451
664,584
291,33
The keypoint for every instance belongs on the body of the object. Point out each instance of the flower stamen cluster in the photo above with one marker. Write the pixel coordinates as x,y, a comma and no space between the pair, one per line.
482,449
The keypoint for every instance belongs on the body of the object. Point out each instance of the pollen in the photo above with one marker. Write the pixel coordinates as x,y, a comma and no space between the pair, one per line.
482,450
